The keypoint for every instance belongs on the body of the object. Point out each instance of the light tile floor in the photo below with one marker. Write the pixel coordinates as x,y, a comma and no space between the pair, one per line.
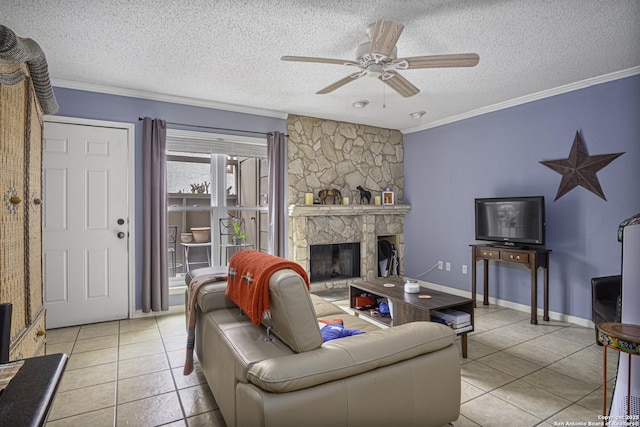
129,373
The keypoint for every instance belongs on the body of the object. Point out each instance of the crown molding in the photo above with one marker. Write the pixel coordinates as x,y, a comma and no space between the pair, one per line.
112,90
133,93
529,98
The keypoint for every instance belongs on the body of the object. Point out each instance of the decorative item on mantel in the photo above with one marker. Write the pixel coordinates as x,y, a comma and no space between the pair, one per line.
387,197
365,195
330,195
308,198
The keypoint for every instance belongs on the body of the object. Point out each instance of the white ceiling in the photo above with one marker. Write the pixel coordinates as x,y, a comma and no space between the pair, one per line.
226,53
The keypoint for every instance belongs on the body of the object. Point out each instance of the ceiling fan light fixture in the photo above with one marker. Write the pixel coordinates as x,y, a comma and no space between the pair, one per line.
360,104
418,114
377,58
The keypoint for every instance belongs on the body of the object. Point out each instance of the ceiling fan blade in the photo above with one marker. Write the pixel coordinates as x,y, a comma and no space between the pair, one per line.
384,38
401,85
336,85
319,60
436,61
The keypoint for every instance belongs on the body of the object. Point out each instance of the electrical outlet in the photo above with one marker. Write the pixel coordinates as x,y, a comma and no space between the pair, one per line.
439,265
464,269
447,266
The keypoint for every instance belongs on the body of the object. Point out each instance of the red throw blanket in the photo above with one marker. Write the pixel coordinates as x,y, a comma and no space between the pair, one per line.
248,280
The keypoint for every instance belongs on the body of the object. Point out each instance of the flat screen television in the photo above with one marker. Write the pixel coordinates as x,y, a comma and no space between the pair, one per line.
511,221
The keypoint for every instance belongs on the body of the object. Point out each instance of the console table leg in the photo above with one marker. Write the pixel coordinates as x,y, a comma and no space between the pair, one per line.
546,291
534,295
486,282
604,375
474,265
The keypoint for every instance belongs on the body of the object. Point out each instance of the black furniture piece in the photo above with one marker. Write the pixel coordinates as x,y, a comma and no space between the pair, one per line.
28,398
606,300
5,331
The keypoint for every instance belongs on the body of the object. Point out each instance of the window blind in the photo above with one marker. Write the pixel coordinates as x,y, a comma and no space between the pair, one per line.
213,143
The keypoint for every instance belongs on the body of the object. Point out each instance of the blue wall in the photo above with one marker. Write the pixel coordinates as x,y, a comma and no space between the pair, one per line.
97,106
498,154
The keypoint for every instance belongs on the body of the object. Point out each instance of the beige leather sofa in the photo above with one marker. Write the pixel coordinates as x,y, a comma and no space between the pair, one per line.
281,373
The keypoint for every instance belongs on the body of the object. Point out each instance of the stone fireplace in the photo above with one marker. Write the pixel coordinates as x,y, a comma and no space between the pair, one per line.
326,154
363,225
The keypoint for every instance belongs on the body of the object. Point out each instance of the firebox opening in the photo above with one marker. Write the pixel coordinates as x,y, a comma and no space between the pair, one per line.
334,261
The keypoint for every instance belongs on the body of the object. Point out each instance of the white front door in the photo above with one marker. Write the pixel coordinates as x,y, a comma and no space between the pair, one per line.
85,223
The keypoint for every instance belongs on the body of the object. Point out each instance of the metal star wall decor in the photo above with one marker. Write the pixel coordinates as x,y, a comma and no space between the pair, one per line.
580,169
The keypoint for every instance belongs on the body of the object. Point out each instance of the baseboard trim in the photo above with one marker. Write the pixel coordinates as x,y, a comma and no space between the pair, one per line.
553,315
174,309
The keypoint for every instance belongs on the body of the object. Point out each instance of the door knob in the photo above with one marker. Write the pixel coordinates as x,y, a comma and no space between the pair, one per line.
121,235
120,221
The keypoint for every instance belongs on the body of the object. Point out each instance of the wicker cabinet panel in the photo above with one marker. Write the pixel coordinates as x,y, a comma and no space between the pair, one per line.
20,218
13,107
34,212
32,342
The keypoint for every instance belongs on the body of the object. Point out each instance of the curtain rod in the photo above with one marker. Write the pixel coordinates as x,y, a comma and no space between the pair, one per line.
214,128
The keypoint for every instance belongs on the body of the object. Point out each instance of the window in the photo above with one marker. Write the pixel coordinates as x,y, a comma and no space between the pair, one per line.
209,177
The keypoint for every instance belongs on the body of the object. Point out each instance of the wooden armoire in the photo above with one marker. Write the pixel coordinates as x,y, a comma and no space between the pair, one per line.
21,210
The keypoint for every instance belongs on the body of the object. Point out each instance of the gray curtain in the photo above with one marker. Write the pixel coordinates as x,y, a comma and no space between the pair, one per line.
277,158
155,272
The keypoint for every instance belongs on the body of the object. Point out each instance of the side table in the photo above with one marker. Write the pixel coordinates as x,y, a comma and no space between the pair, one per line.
186,247
623,337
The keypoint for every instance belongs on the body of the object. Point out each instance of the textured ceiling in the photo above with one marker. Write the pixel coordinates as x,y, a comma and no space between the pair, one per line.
226,53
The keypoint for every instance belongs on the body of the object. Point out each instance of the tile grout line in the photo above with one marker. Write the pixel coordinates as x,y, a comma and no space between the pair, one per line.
175,384
571,402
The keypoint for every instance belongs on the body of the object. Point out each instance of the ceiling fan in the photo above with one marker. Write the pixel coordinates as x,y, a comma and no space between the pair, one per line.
378,58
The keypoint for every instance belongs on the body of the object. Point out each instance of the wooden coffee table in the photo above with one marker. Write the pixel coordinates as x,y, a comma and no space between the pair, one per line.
409,307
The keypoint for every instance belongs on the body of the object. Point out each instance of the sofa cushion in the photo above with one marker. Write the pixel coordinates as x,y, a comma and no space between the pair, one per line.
292,317
324,308
349,356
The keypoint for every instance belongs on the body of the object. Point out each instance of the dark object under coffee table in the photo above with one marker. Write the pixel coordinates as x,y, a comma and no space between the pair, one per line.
409,307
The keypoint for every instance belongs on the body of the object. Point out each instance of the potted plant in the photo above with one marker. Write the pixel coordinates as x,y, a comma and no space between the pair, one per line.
240,234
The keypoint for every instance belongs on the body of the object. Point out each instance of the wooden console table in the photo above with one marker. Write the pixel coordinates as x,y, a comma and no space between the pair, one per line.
532,258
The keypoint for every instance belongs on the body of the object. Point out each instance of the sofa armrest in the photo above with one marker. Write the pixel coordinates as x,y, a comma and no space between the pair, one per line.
346,357
606,288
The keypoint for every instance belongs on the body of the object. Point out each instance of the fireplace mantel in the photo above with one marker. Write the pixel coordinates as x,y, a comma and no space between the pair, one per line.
330,224
340,210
